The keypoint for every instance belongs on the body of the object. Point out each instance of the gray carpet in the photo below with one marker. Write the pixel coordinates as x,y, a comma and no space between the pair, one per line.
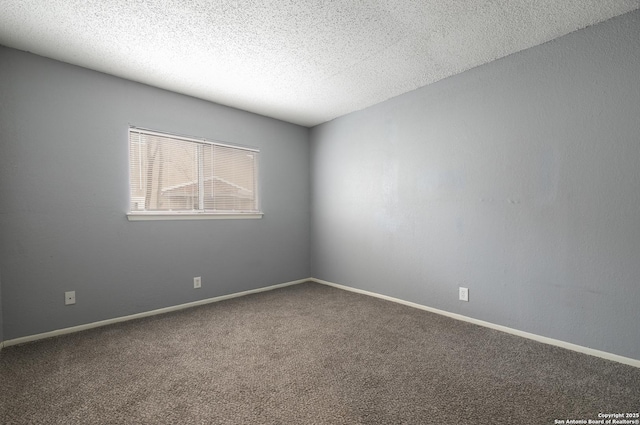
305,354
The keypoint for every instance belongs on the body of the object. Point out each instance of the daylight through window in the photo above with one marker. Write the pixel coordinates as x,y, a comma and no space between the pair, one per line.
176,175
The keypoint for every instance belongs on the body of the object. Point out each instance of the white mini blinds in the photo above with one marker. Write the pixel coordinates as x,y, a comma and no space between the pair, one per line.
173,175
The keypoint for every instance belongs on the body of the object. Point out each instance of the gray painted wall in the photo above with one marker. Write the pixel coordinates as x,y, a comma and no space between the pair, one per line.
64,194
1,323
519,179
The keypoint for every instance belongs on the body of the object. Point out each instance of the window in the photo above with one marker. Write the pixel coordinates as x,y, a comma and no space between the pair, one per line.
177,177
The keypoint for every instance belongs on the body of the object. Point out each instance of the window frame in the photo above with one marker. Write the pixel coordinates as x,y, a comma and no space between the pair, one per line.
199,214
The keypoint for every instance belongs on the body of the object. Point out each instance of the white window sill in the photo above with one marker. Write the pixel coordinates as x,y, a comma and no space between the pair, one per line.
150,216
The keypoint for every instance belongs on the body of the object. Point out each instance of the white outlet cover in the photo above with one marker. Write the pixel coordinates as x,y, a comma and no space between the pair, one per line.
197,282
69,297
463,294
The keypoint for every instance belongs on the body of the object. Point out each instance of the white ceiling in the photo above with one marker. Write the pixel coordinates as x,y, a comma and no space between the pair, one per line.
301,61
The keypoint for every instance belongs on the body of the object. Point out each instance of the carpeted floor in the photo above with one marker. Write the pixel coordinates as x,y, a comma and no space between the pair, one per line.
306,354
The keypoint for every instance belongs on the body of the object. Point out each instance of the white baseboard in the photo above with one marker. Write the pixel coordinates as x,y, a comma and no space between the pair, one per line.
92,325
539,338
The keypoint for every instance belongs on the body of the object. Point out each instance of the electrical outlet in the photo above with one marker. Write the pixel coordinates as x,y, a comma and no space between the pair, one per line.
463,294
197,282
69,297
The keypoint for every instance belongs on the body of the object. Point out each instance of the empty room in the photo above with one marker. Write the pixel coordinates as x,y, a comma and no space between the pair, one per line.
319,212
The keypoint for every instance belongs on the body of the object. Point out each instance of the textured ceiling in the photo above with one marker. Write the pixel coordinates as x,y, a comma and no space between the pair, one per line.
301,61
